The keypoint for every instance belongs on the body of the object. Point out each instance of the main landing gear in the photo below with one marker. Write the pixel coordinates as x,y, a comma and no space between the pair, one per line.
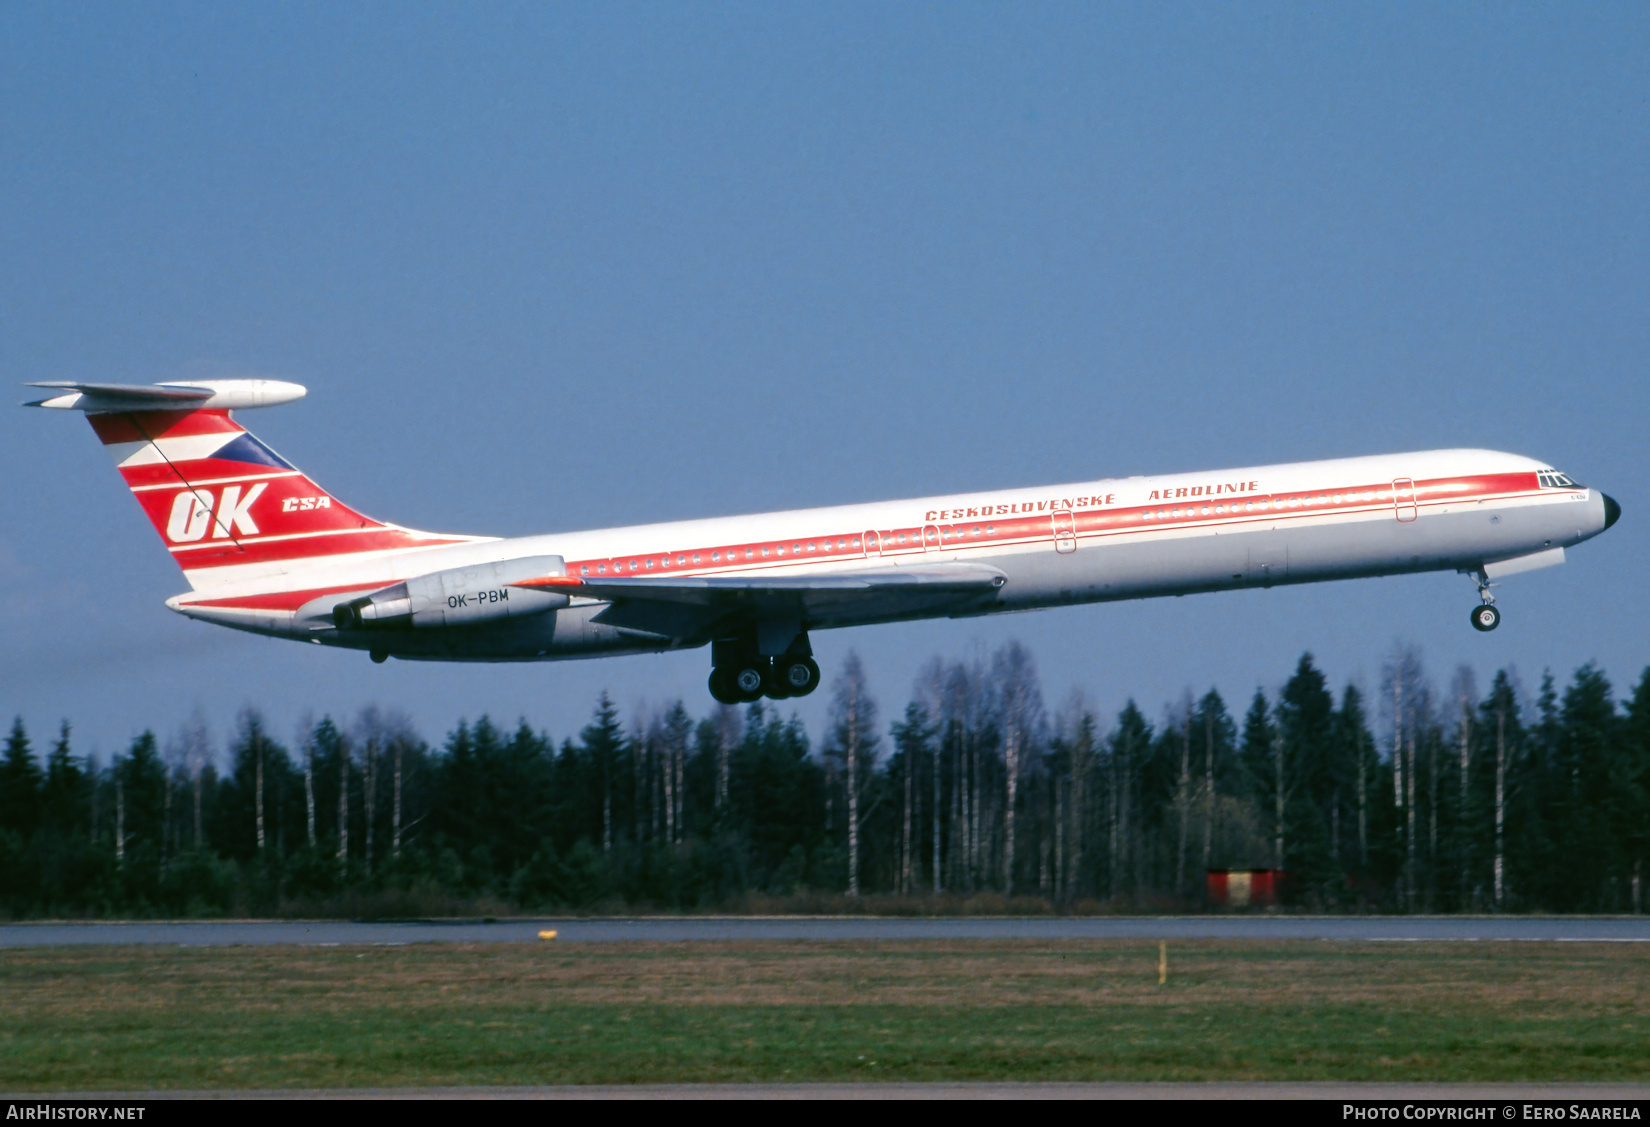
741,674
1485,617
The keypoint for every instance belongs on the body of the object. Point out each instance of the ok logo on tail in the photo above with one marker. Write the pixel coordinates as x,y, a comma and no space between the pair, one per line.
192,514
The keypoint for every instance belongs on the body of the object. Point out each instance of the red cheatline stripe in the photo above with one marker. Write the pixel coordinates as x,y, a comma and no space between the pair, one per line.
550,581
284,600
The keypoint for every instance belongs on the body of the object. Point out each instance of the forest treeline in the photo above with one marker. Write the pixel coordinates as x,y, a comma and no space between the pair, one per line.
975,792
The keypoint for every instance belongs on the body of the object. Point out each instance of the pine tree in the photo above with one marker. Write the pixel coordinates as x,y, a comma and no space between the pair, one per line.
1307,780
1633,783
913,738
20,780
1126,749
604,748
1596,813
64,794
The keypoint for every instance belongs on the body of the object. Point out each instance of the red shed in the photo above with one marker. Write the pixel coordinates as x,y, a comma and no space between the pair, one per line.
1243,888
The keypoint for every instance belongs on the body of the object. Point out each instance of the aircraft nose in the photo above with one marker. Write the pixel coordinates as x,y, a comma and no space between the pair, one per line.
1612,511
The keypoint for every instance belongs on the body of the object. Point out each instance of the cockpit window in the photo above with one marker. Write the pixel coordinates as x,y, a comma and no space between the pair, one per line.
1552,479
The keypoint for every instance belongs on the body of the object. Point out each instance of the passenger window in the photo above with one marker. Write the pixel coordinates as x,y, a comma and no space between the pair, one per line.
584,569
716,555
601,569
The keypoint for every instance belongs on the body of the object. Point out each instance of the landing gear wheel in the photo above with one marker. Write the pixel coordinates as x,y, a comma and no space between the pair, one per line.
379,657
747,682
1485,618
798,677
720,689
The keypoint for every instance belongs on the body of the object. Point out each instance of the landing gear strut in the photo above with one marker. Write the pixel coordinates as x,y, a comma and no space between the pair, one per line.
1485,617
740,674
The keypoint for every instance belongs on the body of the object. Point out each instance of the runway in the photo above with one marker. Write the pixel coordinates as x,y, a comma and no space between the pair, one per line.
676,929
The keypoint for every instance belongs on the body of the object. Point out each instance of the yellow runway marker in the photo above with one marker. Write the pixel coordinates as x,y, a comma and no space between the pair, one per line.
547,935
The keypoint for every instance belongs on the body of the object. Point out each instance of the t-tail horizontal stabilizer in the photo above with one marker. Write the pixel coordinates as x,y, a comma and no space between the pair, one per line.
210,395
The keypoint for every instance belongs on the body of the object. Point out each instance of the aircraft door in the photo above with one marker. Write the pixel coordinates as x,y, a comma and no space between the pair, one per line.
930,537
872,542
1403,498
1065,531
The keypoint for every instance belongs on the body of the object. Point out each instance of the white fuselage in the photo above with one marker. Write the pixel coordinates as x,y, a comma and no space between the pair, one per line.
1094,541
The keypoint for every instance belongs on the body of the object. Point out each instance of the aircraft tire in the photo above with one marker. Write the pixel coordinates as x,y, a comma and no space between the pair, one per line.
720,690
1485,618
797,678
748,682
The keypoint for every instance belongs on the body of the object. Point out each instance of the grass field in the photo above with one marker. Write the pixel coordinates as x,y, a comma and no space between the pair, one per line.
157,1017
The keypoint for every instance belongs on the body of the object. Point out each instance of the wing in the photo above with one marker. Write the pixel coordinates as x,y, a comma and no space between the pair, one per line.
697,608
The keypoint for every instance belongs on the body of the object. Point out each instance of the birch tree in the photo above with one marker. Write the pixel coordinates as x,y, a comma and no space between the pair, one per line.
1014,675
930,697
1464,697
853,742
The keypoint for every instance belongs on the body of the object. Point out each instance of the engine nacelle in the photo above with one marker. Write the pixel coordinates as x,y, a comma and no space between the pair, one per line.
460,596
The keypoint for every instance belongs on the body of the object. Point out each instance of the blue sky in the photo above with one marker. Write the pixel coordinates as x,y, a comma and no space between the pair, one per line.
565,266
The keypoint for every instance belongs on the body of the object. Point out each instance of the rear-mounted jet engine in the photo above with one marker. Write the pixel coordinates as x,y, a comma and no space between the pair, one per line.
462,596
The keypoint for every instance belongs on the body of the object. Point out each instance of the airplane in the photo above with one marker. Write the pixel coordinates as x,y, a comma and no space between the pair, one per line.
267,550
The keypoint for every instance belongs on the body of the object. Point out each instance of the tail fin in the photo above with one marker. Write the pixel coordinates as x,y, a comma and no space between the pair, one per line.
228,507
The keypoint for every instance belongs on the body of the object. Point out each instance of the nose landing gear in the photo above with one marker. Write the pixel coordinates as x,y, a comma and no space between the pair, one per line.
1485,617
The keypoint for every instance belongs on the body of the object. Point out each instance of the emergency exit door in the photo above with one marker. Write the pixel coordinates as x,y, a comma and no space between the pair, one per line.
1065,531
1403,498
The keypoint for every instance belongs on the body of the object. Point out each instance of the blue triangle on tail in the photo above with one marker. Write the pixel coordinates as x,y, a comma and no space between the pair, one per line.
249,449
